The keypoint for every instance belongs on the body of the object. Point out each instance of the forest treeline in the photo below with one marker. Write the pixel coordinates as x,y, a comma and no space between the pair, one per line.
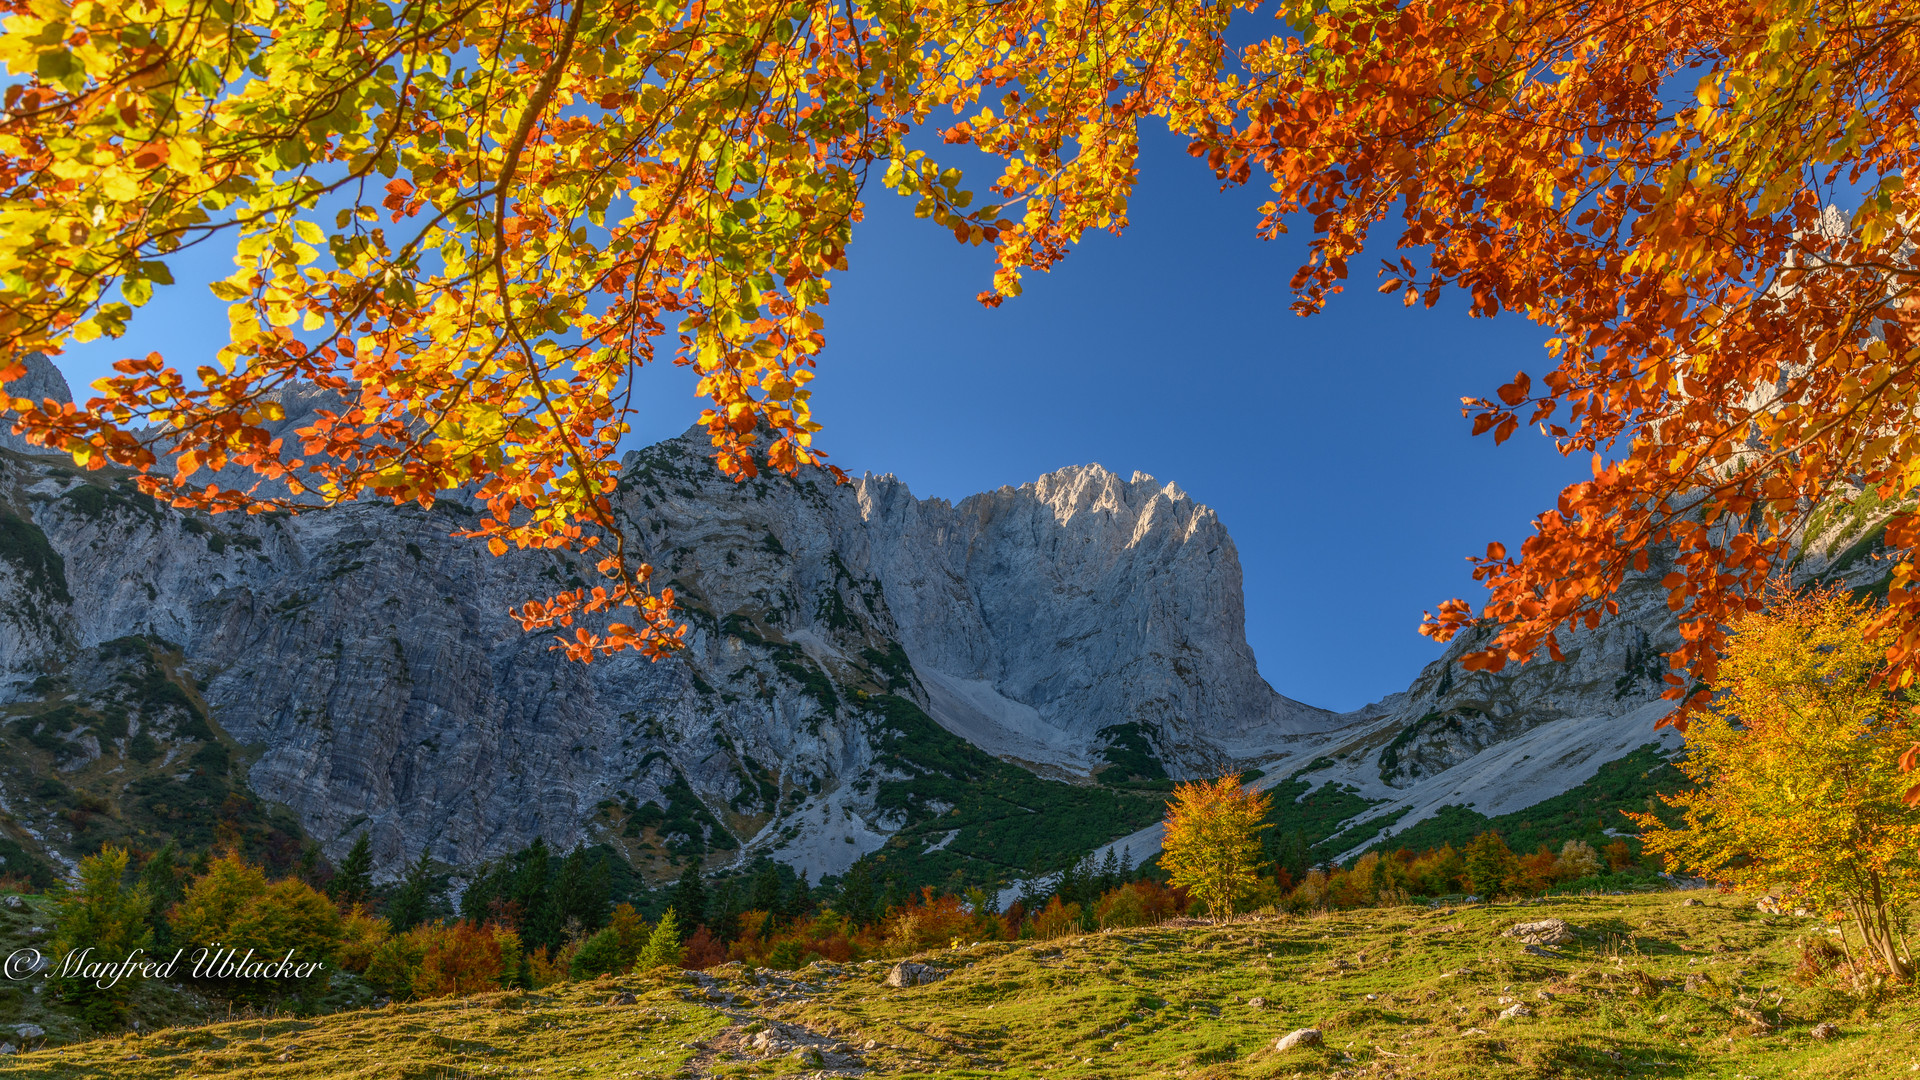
537,917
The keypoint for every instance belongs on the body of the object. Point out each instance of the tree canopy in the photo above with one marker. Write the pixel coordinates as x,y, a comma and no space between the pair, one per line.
473,222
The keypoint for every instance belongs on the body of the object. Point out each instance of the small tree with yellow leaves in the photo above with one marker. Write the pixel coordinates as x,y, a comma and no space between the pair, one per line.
1212,843
1797,767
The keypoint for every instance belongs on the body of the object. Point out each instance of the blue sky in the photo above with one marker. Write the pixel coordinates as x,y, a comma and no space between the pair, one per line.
1332,446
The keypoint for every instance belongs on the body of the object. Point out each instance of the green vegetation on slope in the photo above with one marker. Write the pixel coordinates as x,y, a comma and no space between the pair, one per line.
1581,813
1009,822
1313,815
136,761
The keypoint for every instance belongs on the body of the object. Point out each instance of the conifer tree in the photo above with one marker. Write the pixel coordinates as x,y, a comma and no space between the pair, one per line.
413,901
663,945
1490,864
856,894
533,891
491,881
309,866
690,897
799,899
580,894
354,883
766,889
1109,872
164,883
725,912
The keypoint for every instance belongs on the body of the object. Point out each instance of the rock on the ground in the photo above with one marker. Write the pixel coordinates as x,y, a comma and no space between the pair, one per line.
1257,1003
1515,1011
1825,1029
907,973
29,1031
1543,932
1303,1037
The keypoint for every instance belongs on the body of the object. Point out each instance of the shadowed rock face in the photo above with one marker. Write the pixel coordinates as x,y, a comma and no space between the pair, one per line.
366,659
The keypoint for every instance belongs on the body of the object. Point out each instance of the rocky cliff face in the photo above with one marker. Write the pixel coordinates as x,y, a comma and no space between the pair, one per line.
356,667
360,662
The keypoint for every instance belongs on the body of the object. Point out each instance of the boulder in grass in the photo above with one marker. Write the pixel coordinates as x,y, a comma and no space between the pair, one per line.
1825,1029
1303,1037
1543,932
906,974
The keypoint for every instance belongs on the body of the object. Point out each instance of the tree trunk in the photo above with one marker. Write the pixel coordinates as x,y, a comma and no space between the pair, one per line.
1877,929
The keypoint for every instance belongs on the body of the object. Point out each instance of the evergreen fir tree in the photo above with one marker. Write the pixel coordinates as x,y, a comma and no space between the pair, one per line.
766,889
309,867
533,891
799,898
856,894
96,911
1109,872
1299,855
663,946
1076,880
354,883
580,896
412,903
165,883
724,911
690,897
491,881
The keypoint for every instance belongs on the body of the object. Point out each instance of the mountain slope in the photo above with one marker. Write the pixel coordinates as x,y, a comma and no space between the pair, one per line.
1647,987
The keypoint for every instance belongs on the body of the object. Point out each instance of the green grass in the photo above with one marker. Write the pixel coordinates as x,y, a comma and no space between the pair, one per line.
1398,992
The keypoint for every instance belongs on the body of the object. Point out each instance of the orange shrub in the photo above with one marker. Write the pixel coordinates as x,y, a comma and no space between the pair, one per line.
549,967
465,959
703,951
927,921
1536,873
440,960
1058,920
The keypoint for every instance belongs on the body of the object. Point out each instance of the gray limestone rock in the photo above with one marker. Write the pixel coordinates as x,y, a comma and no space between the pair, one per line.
1542,932
1302,1037
907,973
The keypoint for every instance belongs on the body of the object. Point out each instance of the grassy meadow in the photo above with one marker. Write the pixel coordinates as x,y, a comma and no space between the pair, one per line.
1678,984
